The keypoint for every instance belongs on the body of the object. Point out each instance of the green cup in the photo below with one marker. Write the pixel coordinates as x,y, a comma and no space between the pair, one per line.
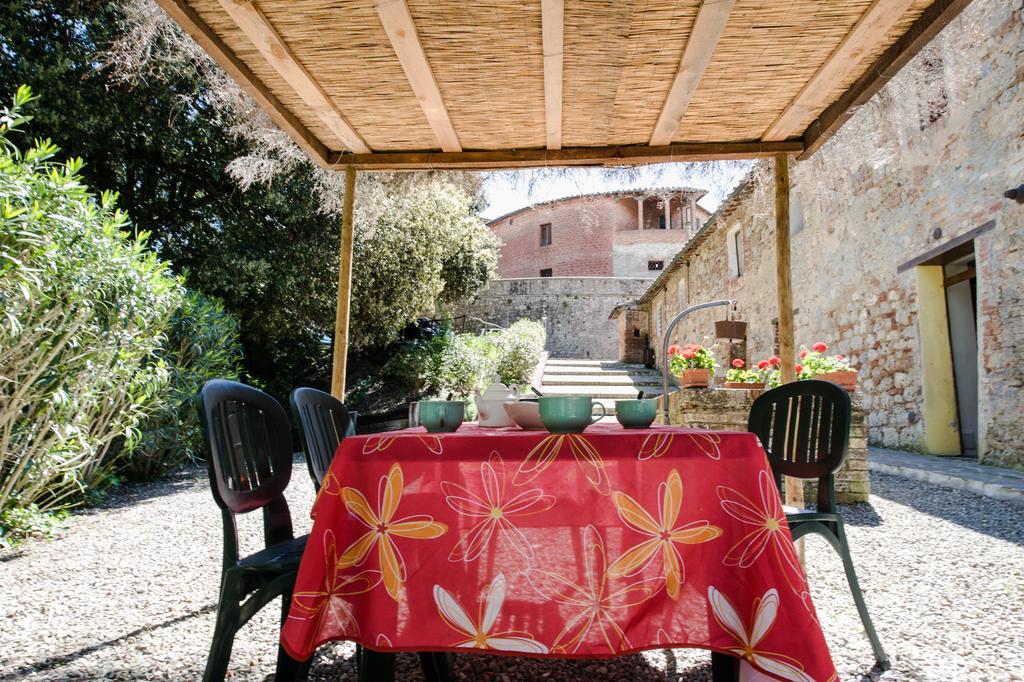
441,416
568,413
636,414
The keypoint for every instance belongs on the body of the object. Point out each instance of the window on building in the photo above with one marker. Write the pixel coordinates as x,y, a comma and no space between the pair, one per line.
546,272
661,222
655,265
734,247
545,234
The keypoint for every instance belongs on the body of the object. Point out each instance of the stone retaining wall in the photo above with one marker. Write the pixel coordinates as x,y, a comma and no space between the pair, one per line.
727,409
574,310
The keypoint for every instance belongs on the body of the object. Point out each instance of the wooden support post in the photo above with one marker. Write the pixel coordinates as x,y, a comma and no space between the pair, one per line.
784,289
344,287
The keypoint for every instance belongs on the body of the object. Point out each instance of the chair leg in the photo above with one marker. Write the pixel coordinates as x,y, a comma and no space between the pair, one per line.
436,665
287,667
724,668
858,597
376,666
224,630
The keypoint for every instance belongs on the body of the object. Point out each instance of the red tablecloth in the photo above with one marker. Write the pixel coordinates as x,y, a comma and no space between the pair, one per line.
584,546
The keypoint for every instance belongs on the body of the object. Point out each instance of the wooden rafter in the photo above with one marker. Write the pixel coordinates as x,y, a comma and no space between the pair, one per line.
573,156
847,58
888,64
204,36
707,29
265,38
398,24
553,25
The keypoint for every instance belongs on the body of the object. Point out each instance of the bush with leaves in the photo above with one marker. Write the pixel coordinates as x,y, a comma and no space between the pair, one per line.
519,350
84,315
202,344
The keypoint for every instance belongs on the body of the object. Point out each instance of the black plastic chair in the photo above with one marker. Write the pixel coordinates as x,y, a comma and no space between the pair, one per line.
323,423
805,429
250,463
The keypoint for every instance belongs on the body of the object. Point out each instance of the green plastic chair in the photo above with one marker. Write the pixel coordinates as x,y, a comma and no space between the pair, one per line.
805,429
250,463
324,422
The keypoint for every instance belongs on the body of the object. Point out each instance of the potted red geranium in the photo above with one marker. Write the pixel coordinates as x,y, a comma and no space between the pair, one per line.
693,365
815,364
738,377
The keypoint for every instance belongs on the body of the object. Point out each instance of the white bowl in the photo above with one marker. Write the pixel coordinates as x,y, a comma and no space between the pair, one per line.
525,413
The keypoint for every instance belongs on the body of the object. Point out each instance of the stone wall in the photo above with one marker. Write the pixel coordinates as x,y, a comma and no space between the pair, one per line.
925,161
575,310
726,409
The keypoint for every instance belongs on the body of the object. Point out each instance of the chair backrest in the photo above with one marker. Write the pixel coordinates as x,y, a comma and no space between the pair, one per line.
805,428
323,422
250,457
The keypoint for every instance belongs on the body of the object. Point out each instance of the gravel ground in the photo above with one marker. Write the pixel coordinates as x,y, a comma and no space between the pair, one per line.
127,591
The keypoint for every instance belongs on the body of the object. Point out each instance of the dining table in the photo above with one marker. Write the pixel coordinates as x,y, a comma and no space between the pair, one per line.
584,545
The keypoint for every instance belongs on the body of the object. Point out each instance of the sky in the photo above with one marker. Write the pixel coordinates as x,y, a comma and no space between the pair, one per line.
508,191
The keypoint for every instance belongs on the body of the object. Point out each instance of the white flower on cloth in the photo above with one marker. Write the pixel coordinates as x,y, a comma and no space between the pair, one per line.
764,611
478,632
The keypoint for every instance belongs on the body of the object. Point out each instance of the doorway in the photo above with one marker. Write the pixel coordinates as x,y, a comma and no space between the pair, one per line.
961,288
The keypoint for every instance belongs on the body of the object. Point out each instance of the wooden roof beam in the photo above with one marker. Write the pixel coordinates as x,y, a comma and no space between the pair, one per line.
707,29
553,28
573,156
888,64
200,32
266,39
848,57
398,23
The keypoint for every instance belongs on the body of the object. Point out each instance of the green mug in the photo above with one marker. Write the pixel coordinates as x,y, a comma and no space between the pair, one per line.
568,413
441,416
636,414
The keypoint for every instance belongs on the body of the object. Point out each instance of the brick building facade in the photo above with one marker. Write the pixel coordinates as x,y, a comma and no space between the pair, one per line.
905,254
613,234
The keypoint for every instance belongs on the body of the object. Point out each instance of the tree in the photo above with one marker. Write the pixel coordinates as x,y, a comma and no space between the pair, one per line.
228,199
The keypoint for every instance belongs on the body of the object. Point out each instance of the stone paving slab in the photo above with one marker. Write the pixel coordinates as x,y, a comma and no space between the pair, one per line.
951,472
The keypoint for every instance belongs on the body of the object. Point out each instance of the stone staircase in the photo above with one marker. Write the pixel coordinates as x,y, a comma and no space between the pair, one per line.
604,380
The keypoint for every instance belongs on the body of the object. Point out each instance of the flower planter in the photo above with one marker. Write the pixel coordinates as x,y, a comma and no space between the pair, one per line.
847,380
743,384
694,378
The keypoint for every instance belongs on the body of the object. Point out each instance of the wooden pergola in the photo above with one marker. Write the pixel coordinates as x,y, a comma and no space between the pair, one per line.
490,84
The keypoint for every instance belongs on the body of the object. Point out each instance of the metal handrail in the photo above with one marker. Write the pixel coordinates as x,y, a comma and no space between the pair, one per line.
665,344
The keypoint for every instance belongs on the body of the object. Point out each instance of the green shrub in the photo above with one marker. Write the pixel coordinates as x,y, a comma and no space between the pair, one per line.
84,315
519,350
202,344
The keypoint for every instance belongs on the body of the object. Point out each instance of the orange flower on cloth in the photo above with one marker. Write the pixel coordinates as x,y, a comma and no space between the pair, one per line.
547,451
478,632
383,528
328,606
764,610
494,511
664,534
769,530
594,601
382,443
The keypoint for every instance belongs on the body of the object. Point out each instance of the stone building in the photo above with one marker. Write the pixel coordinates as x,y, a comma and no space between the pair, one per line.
611,234
906,256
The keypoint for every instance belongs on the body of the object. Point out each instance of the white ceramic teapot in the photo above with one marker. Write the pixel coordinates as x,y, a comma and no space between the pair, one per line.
490,405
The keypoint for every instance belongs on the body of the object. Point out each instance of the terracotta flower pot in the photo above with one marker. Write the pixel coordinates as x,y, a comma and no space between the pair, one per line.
694,378
847,380
742,384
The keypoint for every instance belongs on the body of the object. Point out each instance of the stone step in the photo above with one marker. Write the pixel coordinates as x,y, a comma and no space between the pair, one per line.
602,379
610,392
592,365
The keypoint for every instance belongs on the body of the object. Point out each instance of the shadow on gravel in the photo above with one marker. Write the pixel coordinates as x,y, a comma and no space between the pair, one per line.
860,514
1001,520
64,659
